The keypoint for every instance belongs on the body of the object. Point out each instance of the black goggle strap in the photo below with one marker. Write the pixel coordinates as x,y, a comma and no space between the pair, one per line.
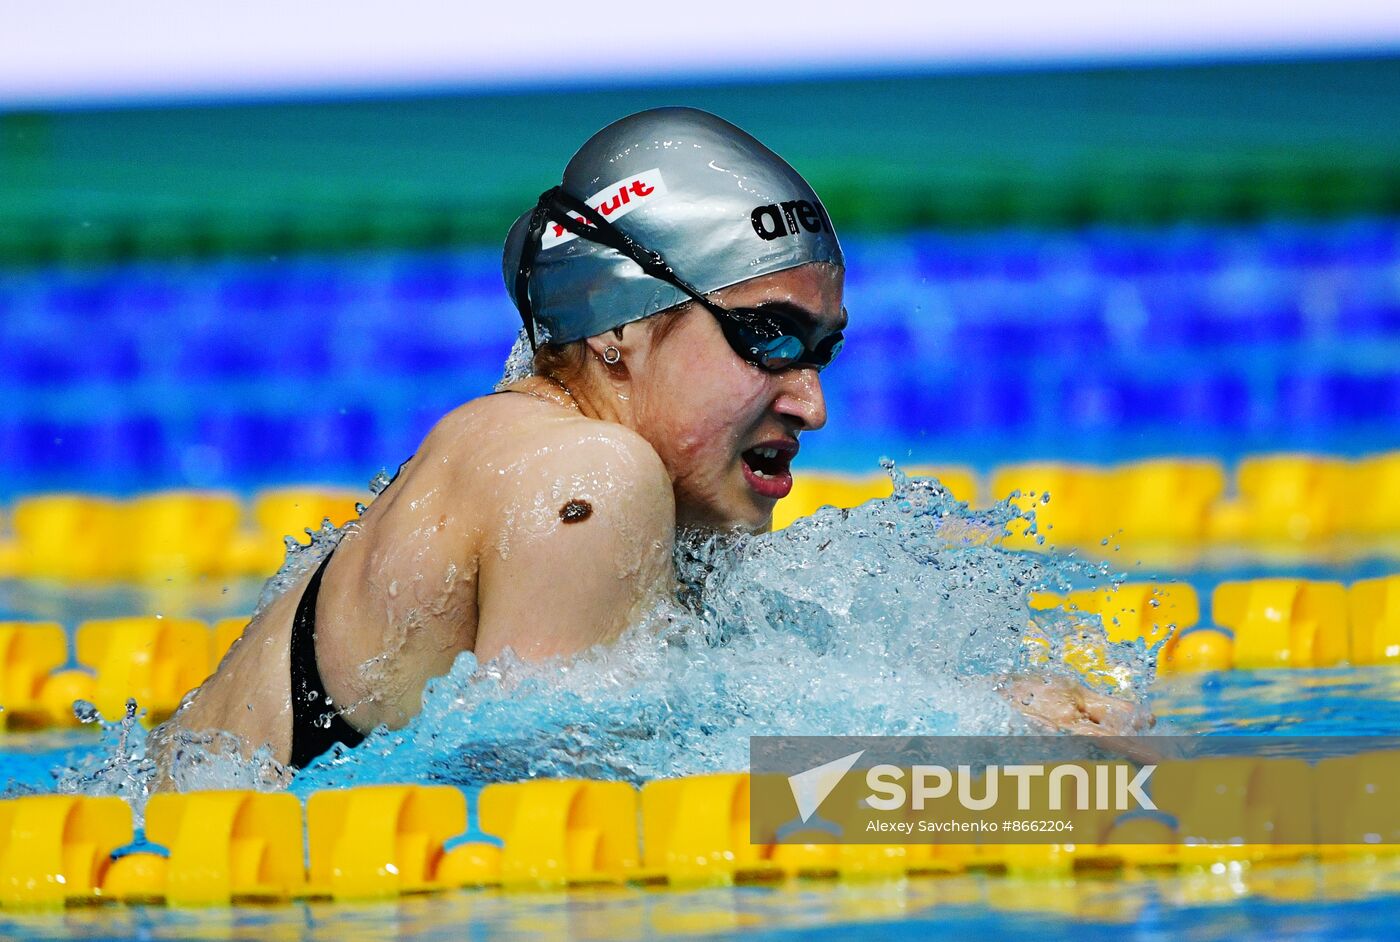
605,233
556,205
528,252
651,262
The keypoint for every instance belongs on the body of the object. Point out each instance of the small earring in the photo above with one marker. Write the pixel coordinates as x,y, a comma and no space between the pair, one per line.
611,355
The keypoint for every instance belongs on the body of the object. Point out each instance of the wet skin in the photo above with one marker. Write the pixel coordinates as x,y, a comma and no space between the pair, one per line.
701,407
468,551
474,548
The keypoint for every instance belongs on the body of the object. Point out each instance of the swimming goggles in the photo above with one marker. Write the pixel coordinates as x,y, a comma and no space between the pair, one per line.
767,339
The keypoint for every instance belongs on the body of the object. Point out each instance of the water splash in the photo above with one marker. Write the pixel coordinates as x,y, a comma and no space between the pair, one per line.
301,558
119,767
123,764
520,363
900,617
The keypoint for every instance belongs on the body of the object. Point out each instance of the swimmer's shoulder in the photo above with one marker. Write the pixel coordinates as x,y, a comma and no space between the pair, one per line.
502,444
574,457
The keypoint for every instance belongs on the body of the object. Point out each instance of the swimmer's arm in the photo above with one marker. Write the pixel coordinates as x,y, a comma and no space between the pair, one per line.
1066,706
549,587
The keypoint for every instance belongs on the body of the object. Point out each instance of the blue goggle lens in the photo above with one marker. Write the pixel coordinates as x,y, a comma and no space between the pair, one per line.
773,343
779,352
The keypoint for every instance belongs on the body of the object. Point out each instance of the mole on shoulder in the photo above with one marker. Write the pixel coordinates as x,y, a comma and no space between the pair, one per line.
576,511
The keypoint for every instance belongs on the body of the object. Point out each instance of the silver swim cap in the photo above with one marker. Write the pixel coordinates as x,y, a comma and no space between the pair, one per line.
717,205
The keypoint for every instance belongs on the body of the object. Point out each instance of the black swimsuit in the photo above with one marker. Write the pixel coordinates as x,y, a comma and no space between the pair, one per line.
316,722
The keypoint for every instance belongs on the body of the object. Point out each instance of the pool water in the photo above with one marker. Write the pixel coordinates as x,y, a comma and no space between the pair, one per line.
1301,900
1346,901
1331,702
1307,900
1102,344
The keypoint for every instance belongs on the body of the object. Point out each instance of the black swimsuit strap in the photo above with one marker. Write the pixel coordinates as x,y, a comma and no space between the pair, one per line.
312,733
316,722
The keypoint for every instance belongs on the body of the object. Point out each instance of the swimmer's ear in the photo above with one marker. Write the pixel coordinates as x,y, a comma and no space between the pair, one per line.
614,351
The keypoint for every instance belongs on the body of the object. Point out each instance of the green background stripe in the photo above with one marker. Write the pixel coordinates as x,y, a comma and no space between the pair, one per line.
1040,148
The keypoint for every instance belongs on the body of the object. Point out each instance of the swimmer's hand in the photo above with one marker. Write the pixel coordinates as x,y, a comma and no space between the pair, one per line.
1063,705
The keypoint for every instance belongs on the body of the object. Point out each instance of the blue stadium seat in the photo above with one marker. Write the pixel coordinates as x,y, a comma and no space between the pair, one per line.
1339,398
1258,329
1368,311
1189,251
65,359
227,354
318,286
1121,253
334,438
51,445
83,298
1205,403
248,289
148,295
247,441
1094,403
430,278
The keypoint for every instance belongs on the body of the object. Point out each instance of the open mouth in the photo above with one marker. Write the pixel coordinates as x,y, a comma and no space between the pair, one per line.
767,468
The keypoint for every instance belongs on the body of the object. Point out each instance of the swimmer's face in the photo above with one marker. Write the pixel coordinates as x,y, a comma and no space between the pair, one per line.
725,429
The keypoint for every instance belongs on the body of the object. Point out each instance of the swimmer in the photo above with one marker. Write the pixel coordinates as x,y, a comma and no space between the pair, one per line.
682,290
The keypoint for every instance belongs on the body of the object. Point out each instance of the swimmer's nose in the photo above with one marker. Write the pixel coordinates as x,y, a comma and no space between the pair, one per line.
801,397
